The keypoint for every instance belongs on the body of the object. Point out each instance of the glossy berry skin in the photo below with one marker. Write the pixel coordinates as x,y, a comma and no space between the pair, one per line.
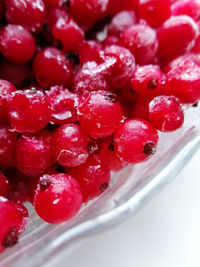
89,51
141,40
30,14
17,74
53,3
10,221
93,177
52,68
185,87
121,22
4,185
65,29
100,114
186,7
33,154
148,80
141,108
88,11
90,77
135,141
165,113
6,89
29,111
181,32
69,145
8,139
155,12
118,66
58,198
16,43
63,104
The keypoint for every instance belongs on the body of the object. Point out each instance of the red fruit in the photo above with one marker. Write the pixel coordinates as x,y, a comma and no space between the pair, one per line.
196,48
65,29
110,40
135,141
93,178
30,14
121,22
186,7
8,139
16,43
29,111
52,68
183,81
90,78
100,114
58,198
165,113
180,32
69,145
4,185
88,11
10,221
53,3
23,214
89,51
63,105
141,40
115,6
33,154
118,66
6,89
141,108
18,74
155,12
148,80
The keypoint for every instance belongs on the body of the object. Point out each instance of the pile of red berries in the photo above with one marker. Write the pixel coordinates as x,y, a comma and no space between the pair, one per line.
85,85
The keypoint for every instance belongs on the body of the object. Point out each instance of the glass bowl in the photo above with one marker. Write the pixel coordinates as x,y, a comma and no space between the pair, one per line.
130,189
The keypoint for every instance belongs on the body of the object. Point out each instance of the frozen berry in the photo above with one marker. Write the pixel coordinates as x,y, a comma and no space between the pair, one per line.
141,40
100,114
155,12
54,3
8,139
148,80
33,154
58,198
178,31
52,68
6,89
186,7
92,176
135,141
141,108
110,40
30,14
121,22
89,51
65,29
165,113
115,6
69,145
183,81
90,78
63,105
16,43
4,185
29,111
118,66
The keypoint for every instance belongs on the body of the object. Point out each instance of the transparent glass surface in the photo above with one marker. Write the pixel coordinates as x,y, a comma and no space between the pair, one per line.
130,189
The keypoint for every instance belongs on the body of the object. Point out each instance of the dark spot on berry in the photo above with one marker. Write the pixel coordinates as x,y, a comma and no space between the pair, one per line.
111,146
195,105
71,56
111,97
149,149
58,44
92,146
11,238
60,169
44,183
152,84
103,186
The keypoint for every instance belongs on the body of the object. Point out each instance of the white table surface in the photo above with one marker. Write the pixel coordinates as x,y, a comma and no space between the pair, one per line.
165,233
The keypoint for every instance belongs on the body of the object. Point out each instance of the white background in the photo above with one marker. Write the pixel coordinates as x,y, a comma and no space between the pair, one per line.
165,233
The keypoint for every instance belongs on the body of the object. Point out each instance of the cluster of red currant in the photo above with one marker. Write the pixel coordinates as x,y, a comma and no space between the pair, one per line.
85,85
